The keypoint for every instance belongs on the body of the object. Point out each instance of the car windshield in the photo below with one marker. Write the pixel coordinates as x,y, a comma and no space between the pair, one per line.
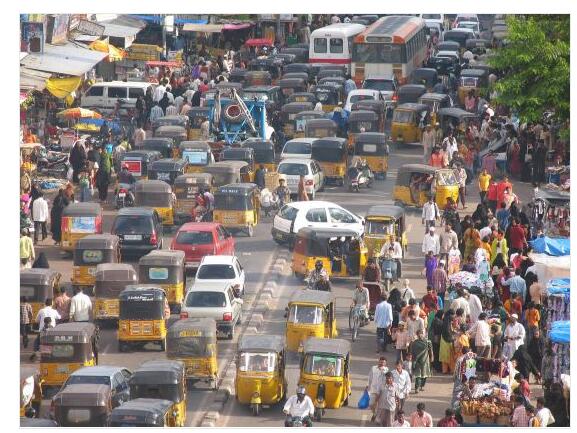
257,362
132,224
306,314
98,380
357,98
206,300
323,365
431,16
297,147
293,169
215,272
194,238
380,85
471,26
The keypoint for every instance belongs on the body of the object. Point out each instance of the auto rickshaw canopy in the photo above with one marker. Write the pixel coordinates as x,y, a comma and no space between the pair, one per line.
328,93
237,196
369,105
427,75
296,107
327,127
39,277
83,395
298,75
73,332
195,145
141,411
168,164
328,346
171,131
159,372
175,120
237,75
163,258
410,93
302,97
357,117
312,297
329,149
152,187
330,73
292,83
191,337
261,343
298,67
441,176
112,278
263,150
104,241
391,211
197,115
201,179
225,172
163,145
245,154
84,209
371,143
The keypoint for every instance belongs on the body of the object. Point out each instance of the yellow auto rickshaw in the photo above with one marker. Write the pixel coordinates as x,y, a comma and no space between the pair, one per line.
164,145
377,107
83,405
417,182
319,128
331,154
288,114
164,268
158,195
245,154
373,148
164,380
456,119
310,313
301,119
66,348
408,122
260,371
198,154
193,341
326,244
143,412
79,220
227,172
186,186
381,223
237,207
475,80
89,252
176,120
111,280
435,101
197,116
330,95
30,390
325,373
361,121
37,285
176,132
142,316
288,86
263,151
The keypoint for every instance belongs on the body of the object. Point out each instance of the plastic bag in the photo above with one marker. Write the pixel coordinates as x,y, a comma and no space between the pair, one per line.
364,400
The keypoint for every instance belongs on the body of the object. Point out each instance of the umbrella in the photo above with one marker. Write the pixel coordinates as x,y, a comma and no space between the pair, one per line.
79,113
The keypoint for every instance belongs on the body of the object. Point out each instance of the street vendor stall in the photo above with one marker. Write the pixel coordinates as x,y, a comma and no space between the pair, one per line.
550,211
473,283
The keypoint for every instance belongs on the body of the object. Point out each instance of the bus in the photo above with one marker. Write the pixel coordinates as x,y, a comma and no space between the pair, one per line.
334,43
393,45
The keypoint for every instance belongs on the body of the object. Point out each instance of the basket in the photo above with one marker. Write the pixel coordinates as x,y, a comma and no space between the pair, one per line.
503,420
469,419
486,420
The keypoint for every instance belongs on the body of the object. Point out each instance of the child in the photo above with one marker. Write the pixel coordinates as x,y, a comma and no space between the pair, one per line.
454,260
533,420
532,318
523,386
401,339
84,183
408,364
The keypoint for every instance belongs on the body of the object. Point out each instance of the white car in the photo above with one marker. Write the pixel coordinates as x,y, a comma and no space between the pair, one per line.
465,17
469,26
220,271
291,170
297,148
316,214
218,303
361,95
386,85
434,19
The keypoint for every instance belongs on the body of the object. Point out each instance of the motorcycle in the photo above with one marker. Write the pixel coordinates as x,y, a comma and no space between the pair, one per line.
269,202
53,164
124,197
295,421
359,177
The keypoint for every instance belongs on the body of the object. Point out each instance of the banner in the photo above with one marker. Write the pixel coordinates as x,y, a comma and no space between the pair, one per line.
57,29
32,37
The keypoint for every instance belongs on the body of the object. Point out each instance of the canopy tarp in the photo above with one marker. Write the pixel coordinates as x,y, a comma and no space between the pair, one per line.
560,332
203,28
63,88
114,54
549,267
551,246
559,286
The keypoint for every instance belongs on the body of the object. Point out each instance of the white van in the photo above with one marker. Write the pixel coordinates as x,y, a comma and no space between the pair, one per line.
334,44
103,96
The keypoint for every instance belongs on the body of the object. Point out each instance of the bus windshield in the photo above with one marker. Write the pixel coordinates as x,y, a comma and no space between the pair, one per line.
378,53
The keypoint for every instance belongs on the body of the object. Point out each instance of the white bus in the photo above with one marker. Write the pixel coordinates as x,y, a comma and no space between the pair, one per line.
334,44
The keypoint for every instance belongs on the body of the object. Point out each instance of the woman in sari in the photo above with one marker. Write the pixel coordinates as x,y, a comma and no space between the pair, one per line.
471,238
461,341
446,345
431,263
422,351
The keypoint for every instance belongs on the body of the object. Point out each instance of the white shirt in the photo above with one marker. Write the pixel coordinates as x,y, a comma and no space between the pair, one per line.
158,93
178,102
80,307
47,311
398,424
156,113
295,408
431,243
475,307
430,211
468,55
171,110
413,326
482,332
545,417
485,232
451,147
397,250
170,97
513,331
461,303
403,382
40,210
376,378
407,294
188,95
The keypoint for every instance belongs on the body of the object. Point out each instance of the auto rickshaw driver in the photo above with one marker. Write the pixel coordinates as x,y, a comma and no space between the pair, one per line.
126,180
420,182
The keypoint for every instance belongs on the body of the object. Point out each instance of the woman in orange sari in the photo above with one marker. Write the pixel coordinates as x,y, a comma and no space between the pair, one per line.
461,340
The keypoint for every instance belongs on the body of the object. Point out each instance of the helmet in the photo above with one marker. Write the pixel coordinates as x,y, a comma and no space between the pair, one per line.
301,390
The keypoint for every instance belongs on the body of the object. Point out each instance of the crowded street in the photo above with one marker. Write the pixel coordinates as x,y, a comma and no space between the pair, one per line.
434,248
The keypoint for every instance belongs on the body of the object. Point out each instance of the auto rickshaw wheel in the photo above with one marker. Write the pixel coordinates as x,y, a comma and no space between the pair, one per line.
250,231
255,409
122,346
163,345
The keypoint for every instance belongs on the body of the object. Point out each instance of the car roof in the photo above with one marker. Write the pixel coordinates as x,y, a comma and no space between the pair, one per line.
309,140
220,260
379,77
98,370
363,92
304,161
144,211
201,227
312,203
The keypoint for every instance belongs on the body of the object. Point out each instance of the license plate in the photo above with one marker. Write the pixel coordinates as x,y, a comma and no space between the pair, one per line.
132,237
121,194
62,369
163,176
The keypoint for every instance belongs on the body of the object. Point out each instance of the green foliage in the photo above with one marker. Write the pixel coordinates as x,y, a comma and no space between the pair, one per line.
535,66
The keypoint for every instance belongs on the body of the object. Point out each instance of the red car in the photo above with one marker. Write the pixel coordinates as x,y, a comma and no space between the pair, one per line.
200,239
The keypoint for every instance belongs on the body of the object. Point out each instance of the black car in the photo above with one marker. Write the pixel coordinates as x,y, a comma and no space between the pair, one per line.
139,229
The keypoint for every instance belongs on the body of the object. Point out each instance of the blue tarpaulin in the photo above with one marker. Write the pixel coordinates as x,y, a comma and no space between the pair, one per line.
560,332
559,286
551,246
157,19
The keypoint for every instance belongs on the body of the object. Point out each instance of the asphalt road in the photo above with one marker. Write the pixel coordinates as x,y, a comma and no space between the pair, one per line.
256,255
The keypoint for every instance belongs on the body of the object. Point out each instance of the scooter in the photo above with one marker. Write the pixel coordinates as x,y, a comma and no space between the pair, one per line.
358,177
294,421
269,202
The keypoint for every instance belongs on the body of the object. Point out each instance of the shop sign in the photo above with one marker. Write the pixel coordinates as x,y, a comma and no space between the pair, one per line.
57,29
90,28
32,37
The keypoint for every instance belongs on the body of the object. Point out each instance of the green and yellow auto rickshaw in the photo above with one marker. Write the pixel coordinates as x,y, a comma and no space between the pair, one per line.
331,154
373,148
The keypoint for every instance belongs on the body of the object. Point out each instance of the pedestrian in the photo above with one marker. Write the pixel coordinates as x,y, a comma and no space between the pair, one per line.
481,332
454,260
524,362
492,195
41,262
259,176
435,331
449,420
514,336
387,400
517,284
46,316
447,339
302,193
461,177
420,418
447,239
520,418
138,136
428,142
27,254
431,243
402,379
484,182
422,351
375,382
431,263
103,174
440,280
84,185
58,205
401,339
62,305
544,414
156,112
475,306
78,158
407,293
25,320
80,306
383,321
430,213
400,420
414,325
40,217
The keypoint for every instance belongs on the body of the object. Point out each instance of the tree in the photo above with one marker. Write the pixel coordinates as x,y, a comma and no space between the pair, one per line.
535,67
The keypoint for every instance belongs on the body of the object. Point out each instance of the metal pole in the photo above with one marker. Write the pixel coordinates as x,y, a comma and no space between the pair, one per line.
164,36
278,29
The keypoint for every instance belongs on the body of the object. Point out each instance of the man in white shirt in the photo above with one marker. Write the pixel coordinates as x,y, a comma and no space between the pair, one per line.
544,414
138,136
400,420
156,112
431,242
406,292
397,252
158,93
376,380
514,336
169,94
178,103
171,110
461,302
475,306
448,238
430,214
299,405
482,333
402,379
40,217
46,314
414,324
80,307
451,143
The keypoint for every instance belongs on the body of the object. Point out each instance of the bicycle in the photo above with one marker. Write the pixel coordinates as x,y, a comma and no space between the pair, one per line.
355,321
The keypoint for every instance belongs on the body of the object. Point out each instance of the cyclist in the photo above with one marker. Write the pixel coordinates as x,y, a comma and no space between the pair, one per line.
361,299
299,405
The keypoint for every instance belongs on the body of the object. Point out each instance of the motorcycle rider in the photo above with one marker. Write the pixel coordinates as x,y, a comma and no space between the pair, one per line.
126,180
316,273
361,298
299,405
323,284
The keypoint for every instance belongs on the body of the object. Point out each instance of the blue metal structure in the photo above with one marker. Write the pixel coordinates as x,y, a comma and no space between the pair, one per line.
253,123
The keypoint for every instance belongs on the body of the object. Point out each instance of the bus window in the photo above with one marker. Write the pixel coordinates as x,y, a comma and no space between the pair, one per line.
320,45
336,45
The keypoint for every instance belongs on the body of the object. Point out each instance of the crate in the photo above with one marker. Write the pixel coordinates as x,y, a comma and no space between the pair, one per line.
485,420
503,420
271,180
469,419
